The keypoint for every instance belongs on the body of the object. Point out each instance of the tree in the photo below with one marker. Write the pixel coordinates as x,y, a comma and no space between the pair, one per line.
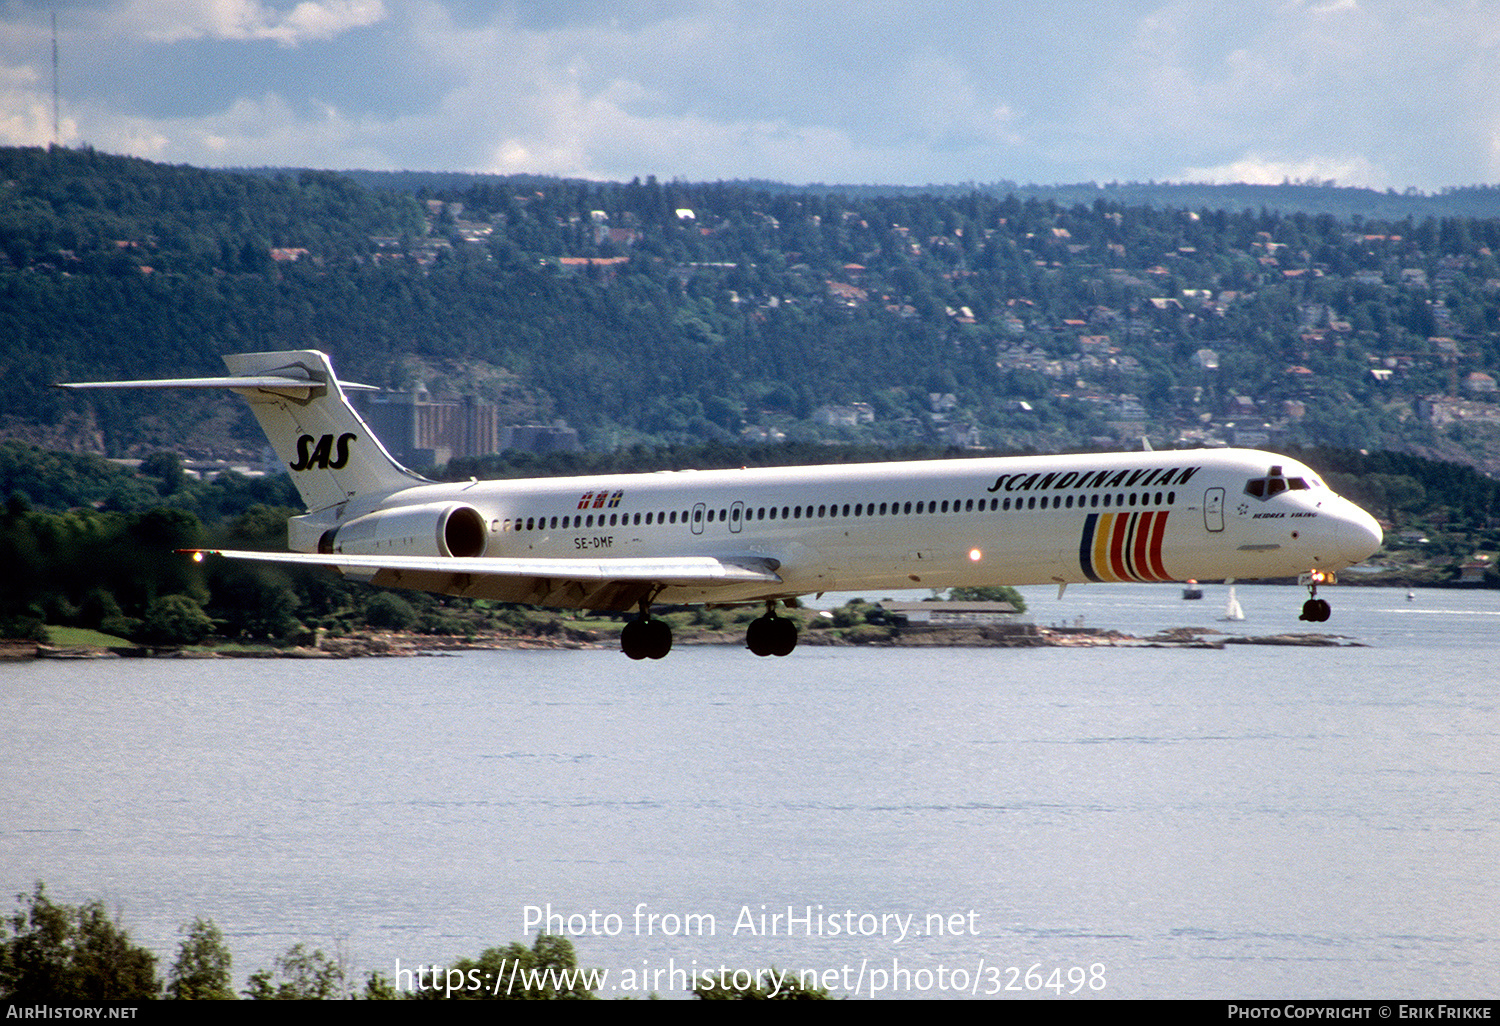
997,593
389,611
176,620
201,972
62,954
547,971
304,977
166,467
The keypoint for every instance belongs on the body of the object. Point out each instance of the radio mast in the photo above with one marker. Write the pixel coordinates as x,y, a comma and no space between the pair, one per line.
56,135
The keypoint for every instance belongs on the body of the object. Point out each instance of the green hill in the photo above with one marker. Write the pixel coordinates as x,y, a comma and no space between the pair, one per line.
675,312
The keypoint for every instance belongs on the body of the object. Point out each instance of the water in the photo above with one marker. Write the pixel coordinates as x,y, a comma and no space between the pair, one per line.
1247,822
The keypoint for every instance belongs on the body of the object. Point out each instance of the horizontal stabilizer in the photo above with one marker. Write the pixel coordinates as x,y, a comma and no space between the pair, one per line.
267,381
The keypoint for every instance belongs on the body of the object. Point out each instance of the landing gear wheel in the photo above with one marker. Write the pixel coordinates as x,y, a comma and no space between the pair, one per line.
1316,610
771,635
658,639
646,638
757,636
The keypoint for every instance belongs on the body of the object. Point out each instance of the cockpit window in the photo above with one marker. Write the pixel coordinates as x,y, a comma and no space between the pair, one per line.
1274,484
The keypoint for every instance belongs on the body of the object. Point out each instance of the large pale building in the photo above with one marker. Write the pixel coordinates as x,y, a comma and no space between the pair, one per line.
424,432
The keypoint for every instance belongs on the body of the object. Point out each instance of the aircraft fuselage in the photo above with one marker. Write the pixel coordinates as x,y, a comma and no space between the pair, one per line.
1140,516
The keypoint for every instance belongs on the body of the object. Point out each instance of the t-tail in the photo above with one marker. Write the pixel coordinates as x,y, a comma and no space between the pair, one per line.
331,452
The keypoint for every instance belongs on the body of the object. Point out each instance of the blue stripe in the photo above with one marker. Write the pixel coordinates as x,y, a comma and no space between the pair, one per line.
1086,547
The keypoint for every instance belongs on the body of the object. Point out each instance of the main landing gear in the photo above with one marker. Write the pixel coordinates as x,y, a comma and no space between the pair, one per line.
646,637
771,634
1315,610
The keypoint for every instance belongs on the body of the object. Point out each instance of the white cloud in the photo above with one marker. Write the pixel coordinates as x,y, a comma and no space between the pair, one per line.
1379,92
1255,169
173,21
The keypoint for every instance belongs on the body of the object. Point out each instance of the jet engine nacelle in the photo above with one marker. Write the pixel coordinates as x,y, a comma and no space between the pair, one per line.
434,529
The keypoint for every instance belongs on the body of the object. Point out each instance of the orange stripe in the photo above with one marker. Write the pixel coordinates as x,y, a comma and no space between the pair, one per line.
1101,546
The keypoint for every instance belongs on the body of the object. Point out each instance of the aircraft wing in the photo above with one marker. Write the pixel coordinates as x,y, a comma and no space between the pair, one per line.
607,583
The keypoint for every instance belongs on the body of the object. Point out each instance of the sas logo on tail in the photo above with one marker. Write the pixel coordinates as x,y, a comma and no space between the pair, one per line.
321,455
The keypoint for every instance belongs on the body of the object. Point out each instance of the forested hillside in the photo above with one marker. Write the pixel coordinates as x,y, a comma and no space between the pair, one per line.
678,312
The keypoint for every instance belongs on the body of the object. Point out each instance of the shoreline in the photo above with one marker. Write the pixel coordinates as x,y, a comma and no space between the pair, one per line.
402,645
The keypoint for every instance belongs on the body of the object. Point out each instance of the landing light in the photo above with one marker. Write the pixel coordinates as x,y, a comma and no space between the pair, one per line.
975,555
197,557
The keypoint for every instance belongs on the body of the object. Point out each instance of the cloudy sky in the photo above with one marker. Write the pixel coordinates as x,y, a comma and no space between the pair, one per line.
1384,93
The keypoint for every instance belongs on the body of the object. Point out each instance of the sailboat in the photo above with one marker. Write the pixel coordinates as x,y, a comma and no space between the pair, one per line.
1232,610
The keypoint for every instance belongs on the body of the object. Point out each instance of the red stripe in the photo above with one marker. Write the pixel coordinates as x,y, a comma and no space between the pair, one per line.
1117,546
1142,540
1159,530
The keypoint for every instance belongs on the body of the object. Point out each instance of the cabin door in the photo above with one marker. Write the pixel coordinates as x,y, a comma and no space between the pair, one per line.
1213,509
736,517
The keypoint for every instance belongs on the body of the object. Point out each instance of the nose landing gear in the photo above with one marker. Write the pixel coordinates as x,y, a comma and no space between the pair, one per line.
1315,610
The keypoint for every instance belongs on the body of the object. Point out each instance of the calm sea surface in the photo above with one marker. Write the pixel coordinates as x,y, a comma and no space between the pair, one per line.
1252,822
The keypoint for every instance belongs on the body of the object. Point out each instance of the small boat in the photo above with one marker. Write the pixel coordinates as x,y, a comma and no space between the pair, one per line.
1232,609
1190,590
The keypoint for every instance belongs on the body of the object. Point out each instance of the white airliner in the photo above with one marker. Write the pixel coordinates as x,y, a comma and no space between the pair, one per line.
727,537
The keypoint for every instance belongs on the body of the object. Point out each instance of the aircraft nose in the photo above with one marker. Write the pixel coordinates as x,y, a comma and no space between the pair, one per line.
1358,536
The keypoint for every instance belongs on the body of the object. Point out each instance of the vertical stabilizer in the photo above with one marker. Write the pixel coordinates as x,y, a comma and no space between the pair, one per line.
330,451
327,447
